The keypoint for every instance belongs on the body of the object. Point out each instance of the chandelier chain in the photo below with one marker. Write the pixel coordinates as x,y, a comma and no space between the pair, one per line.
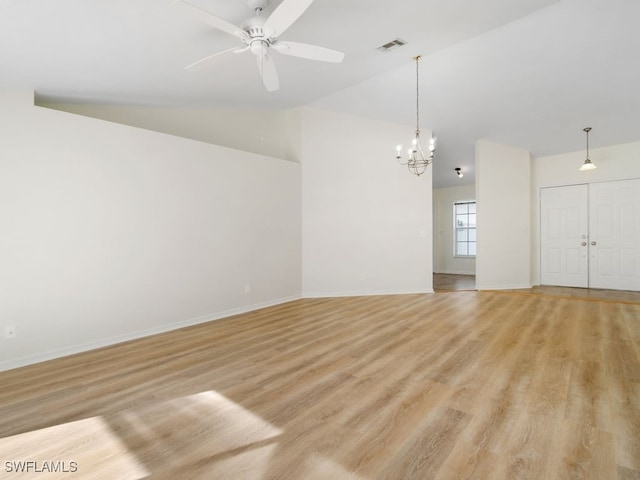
417,95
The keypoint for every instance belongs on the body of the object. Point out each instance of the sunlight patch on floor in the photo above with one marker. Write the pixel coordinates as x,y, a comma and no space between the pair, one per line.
82,449
205,434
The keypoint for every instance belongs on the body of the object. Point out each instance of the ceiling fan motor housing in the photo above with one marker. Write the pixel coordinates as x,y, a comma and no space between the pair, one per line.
254,26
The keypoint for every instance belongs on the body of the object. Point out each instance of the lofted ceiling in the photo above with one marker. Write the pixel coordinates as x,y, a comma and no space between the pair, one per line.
530,73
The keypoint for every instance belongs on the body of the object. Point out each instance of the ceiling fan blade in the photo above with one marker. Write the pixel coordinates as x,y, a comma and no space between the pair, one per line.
312,52
203,63
284,15
268,72
214,21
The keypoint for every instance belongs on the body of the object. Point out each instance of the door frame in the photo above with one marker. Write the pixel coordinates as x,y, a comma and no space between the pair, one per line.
537,203
579,242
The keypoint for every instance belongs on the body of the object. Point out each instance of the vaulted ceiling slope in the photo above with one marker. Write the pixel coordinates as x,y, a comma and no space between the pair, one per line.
533,83
530,73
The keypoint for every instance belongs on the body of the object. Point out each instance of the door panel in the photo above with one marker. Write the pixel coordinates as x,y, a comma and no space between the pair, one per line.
574,261
564,229
614,247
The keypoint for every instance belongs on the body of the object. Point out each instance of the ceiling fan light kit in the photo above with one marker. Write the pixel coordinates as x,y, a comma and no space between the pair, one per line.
260,35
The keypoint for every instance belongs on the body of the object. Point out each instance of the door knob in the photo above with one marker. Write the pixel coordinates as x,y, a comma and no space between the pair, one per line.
593,243
584,244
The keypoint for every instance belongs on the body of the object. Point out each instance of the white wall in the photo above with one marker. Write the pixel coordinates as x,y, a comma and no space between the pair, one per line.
366,220
263,132
444,259
111,232
503,195
616,162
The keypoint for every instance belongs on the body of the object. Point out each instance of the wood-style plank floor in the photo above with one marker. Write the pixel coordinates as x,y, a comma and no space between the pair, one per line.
450,282
460,385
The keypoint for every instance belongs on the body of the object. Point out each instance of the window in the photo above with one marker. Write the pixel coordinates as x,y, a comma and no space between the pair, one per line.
464,220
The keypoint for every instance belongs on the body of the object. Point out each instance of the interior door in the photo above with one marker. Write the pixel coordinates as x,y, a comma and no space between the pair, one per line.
564,230
614,244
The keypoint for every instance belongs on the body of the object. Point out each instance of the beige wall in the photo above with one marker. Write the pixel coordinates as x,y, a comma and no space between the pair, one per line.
111,232
503,195
270,133
367,221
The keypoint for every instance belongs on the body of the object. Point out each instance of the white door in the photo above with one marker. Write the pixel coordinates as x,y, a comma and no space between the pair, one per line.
614,243
564,230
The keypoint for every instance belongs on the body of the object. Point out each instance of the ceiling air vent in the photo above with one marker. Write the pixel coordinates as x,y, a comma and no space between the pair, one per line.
391,45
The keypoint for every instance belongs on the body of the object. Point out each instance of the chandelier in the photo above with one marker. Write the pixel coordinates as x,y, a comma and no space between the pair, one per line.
416,160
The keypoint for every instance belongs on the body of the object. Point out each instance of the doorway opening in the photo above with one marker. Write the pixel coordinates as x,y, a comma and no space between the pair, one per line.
446,282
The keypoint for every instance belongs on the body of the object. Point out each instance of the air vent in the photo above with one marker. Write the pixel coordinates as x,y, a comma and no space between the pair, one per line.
392,45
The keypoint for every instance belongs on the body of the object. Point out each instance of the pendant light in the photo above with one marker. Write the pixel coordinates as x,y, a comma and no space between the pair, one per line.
588,164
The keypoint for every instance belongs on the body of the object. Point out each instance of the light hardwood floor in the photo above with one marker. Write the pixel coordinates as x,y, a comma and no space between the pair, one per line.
448,282
460,385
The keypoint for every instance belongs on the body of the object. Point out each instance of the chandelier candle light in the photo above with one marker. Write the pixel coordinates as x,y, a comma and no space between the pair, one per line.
417,161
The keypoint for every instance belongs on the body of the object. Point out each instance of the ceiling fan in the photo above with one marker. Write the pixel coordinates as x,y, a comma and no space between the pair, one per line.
260,35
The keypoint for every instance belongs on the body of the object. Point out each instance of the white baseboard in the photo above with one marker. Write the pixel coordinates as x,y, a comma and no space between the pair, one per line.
457,272
84,347
363,293
515,286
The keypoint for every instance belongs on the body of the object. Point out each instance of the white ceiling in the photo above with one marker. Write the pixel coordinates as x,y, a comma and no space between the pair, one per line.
530,73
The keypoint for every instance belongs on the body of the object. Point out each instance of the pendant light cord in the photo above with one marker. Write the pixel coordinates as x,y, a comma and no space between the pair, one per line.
587,144
587,130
